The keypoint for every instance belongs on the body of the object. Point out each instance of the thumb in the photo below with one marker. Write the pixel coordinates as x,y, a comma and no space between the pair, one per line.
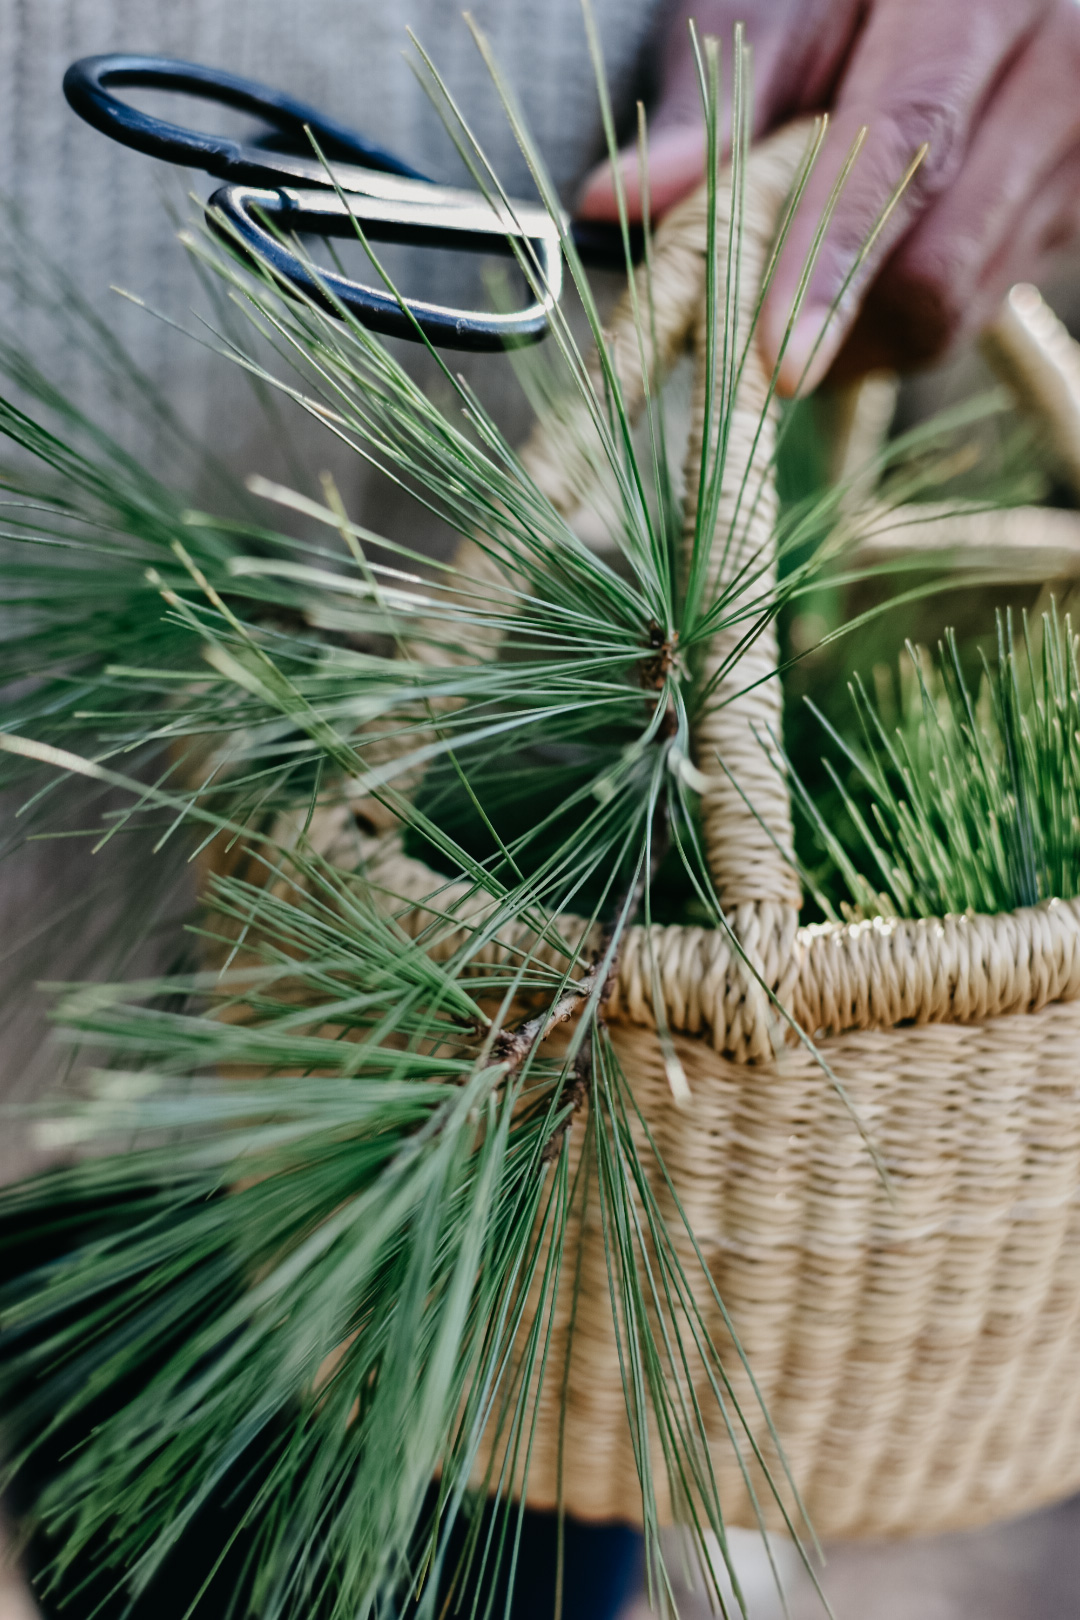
676,157
676,146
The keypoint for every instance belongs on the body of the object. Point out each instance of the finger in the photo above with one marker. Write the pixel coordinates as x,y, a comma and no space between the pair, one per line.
676,167
919,74
1006,214
798,47
1050,230
676,162
901,322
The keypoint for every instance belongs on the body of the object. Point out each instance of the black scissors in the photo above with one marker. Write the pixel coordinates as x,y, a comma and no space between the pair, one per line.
278,178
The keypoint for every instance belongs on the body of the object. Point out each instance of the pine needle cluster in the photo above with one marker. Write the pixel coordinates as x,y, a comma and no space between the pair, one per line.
971,802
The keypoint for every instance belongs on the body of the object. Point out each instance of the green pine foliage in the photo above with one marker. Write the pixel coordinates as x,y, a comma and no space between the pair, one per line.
972,801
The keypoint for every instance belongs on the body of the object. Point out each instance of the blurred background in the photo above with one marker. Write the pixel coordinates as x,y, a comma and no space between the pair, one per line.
83,216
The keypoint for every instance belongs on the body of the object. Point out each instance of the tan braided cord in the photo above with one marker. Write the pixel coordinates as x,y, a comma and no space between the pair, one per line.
1021,543
915,1343
749,854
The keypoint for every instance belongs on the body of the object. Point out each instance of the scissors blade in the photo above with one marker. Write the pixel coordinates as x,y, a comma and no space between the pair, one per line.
354,179
426,212
251,166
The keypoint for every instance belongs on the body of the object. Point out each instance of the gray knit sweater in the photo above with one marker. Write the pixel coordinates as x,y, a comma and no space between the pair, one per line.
101,212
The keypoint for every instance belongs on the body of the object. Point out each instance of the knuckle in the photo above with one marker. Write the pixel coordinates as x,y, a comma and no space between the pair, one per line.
894,136
934,121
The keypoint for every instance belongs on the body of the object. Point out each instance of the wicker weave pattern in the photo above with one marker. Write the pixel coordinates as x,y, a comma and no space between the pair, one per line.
914,1347
918,1358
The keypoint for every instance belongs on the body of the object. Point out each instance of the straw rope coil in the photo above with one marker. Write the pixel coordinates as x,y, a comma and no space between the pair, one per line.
916,1343
1032,351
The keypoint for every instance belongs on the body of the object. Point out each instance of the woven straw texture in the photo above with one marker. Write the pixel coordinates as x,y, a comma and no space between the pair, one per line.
915,1345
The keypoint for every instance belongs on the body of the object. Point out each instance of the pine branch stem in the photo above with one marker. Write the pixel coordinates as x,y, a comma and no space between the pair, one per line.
513,1046
574,1095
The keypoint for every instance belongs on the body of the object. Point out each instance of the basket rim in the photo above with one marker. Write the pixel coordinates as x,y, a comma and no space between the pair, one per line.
875,973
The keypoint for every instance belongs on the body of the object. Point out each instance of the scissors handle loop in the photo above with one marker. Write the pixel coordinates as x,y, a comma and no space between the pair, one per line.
255,220
89,86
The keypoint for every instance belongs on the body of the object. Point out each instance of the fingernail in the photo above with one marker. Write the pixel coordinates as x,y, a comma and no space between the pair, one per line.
809,351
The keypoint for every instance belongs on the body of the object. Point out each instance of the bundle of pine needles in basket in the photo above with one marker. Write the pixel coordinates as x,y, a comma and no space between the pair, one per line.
972,801
320,1197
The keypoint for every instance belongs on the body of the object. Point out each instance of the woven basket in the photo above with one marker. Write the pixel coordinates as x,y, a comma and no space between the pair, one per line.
916,1346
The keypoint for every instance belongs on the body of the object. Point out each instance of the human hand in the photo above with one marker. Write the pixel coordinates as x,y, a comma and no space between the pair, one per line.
993,87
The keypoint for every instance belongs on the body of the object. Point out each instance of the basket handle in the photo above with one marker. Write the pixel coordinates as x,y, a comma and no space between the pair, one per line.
745,804
745,846
1032,351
